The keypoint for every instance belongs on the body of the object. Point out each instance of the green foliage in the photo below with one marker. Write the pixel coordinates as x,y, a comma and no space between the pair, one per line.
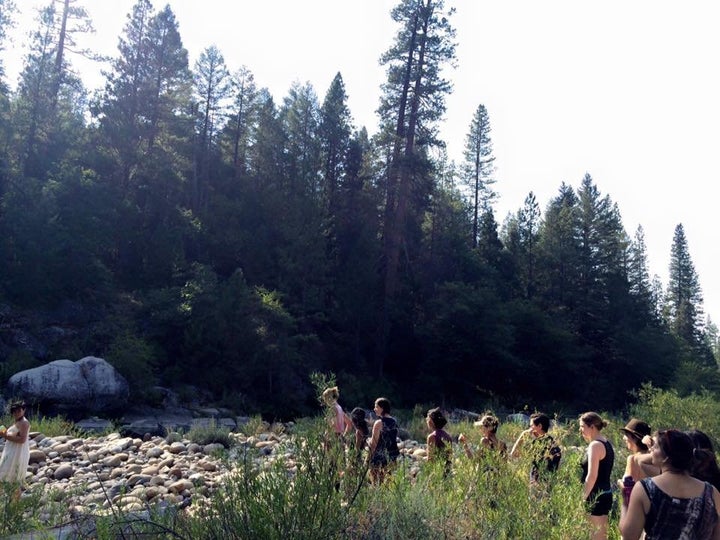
210,433
52,426
19,360
486,498
321,382
309,491
135,359
692,376
664,409
22,514
274,503
266,240
254,426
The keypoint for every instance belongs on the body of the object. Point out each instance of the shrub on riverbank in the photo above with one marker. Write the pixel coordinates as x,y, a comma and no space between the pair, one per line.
309,491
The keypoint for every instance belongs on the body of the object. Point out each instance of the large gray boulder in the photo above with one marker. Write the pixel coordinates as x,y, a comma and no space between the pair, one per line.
90,384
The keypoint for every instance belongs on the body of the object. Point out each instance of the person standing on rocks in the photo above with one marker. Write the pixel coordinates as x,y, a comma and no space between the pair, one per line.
340,425
339,421
16,454
383,444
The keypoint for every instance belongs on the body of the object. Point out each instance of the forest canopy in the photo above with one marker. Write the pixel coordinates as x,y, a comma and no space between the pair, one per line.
219,237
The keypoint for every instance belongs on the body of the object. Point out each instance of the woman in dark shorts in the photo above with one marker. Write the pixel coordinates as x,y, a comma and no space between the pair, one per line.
597,467
383,444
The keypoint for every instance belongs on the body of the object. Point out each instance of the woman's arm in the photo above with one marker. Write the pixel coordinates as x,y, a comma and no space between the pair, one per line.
22,434
645,463
431,446
377,427
632,516
463,440
515,452
359,440
629,467
716,499
348,423
596,451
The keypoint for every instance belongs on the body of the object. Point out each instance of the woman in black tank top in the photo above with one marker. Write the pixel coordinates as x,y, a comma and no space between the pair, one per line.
596,471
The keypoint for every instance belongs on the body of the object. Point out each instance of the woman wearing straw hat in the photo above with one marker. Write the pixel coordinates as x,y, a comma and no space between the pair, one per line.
638,462
673,504
489,426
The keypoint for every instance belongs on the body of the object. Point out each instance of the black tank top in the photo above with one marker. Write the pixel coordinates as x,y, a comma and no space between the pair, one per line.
602,483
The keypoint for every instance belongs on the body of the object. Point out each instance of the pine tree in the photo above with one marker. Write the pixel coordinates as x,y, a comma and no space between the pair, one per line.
242,120
334,133
212,89
73,20
7,10
411,104
144,139
684,297
167,83
145,93
266,157
640,285
712,337
49,106
560,250
521,239
602,264
479,166
300,115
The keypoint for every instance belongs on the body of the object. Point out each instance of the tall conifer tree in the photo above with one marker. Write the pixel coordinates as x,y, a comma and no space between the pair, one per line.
560,249
684,297
640,285
242,120
334,131
479,166
521,239
413,101
7,10
212,89
50,100
300,115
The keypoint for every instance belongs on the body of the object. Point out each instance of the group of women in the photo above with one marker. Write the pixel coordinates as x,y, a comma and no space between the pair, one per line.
382,447
669,487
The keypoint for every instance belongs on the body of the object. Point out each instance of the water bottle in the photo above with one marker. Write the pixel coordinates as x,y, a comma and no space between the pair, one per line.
628,484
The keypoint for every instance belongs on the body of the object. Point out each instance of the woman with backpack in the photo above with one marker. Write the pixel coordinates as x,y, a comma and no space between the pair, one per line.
383,443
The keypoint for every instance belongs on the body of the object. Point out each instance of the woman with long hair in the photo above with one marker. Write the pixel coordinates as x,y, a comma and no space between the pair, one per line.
705,466
383,444
673,504
637,465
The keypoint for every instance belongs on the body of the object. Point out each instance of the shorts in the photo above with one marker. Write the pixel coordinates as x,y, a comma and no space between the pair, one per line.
600,504
381,459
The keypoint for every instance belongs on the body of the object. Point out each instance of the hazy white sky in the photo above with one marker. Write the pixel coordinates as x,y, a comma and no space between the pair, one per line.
626,91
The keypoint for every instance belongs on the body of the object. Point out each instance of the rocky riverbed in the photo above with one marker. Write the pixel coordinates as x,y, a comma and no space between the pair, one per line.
90,475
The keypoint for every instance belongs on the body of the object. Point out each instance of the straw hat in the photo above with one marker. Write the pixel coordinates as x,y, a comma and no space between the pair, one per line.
636,427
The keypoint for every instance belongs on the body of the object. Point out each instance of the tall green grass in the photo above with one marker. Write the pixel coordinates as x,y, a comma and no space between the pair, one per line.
310,491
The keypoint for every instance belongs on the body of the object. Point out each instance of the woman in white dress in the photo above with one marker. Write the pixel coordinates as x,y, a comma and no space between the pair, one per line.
16,454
